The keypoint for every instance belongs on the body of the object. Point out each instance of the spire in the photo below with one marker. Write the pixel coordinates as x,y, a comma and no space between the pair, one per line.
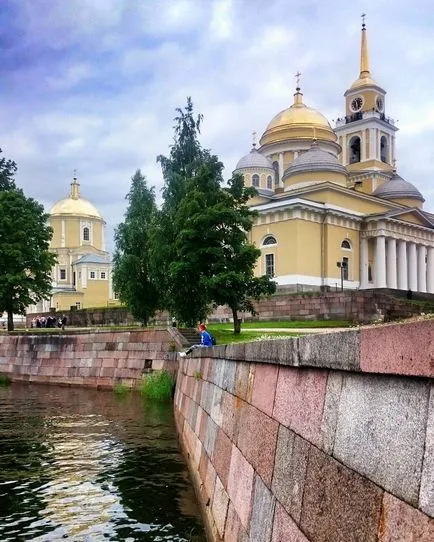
298,96
364,56
75,187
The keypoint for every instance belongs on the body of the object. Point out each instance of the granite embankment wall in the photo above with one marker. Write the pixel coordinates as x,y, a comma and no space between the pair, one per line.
98,360
326,438
359,306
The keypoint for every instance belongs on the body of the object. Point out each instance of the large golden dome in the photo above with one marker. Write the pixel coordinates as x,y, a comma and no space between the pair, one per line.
298,122
75,205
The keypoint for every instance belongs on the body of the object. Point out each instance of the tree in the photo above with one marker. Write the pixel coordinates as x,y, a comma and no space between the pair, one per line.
8,169
132,279
25,261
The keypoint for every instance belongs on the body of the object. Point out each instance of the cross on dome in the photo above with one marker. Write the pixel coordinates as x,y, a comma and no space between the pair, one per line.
254,139
297,80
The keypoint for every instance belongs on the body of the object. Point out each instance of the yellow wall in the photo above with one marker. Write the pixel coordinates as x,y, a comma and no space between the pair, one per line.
321,176
410,202
348,201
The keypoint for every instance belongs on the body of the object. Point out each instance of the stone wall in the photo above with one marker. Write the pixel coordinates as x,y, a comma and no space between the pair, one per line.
325,438
98,360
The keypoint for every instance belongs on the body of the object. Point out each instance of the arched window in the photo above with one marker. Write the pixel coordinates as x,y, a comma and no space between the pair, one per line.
384,149
276,172
269,240
270,182
354,148
255,180
86,236
346,244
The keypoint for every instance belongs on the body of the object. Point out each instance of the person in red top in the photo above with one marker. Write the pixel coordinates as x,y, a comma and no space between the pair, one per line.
205,340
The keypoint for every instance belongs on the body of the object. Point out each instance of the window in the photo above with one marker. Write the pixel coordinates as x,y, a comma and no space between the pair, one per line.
269,265
345,270
255,180
270,182
369,273
354,150
86,235
63,274
346,244
384,149
269,240
276,172
92,274
102,274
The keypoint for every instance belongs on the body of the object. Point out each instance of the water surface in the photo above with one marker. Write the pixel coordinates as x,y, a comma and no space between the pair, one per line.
86,465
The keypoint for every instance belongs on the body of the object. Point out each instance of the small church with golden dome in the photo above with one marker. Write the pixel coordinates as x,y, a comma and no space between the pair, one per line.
82,276
331,208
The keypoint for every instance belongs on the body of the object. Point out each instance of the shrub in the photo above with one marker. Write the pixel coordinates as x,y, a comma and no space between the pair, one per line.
121,389
158,385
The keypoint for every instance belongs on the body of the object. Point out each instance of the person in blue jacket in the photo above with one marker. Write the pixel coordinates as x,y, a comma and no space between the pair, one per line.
205,340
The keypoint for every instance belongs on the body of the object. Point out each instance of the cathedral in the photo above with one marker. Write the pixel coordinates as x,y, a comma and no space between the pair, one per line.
82,276
332,210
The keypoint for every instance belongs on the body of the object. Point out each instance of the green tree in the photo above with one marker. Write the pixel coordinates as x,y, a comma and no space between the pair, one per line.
8,169
25,261
132,279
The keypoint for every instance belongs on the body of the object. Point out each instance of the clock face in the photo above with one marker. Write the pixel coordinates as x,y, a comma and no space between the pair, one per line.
379,103
357,103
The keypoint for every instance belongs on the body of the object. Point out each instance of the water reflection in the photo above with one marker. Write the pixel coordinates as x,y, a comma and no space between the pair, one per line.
84,465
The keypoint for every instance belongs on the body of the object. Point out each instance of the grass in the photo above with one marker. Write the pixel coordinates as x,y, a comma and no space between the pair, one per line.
4,380
227,336
286,324
158,386
121,389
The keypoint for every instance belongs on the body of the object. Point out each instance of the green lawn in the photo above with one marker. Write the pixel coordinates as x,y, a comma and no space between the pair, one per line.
286,324
226,336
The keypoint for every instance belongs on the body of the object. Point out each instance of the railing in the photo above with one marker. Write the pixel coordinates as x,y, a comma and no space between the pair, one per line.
364,115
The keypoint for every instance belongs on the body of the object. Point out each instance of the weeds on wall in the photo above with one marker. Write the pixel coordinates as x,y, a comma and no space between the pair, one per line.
4,380
158,386
121,389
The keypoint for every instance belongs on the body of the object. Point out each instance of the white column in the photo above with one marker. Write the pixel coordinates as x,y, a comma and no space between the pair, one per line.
372,144
380,262
421,268
344,150
281,172
391,264
430,270
402,265
412,267
364,262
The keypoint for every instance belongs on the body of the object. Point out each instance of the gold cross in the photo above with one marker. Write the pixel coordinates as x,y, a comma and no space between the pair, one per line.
297,79
254,138
75,173
363,19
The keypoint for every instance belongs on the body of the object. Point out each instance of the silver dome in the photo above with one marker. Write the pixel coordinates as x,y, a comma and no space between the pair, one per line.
254,160
315,159
397,188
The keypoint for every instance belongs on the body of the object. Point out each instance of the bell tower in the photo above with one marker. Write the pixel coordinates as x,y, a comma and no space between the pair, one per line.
366,134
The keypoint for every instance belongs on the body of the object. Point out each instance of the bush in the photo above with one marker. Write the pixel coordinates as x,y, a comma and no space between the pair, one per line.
4,380
158,385
121,389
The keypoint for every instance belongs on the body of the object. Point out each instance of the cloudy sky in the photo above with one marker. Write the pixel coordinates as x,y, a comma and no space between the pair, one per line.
93,84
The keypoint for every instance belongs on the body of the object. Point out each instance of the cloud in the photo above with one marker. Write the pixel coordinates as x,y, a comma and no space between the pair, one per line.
93,86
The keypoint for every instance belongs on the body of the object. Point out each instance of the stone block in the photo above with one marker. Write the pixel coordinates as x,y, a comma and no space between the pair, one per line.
406,349
331,410
281,351
209,481
210,436
240,485
285,529
334,350
257,439
261,522
401,522
290,469
338,504
299,401
229,376
264,387
220,503
426,496
231,407
233,525
216,403
222,456
381,431
244,381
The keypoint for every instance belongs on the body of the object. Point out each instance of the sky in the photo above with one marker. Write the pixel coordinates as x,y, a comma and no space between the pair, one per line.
93,85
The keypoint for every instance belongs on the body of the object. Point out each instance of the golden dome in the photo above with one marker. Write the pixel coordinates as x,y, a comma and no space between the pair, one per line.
298,122
75,205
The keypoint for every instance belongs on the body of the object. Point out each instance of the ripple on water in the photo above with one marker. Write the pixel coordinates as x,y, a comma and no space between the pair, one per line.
84,465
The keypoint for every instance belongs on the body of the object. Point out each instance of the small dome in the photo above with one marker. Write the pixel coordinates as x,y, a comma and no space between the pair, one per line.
74,204
398,188
254,160
315,159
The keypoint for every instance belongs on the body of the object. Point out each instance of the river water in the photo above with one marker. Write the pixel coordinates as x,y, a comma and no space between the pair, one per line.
86,465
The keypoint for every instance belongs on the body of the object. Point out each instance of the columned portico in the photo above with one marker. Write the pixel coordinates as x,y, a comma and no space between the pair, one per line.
402,265
430,270
421,268
364,263
391,274
412,267
380,262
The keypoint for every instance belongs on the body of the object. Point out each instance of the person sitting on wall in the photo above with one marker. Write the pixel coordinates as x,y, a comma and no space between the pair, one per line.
205,340
63,321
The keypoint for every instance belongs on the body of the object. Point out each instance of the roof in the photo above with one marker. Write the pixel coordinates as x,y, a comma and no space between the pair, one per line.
397,188
71,206
315,159
92,258
254,160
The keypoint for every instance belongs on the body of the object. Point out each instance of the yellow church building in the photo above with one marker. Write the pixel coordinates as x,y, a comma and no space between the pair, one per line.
82,276
331,206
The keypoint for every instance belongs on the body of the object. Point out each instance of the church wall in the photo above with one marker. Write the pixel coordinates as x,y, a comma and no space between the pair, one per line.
313,176
308,248
64,301
96,294
335,253
352,203
285,252
410,202
56,224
